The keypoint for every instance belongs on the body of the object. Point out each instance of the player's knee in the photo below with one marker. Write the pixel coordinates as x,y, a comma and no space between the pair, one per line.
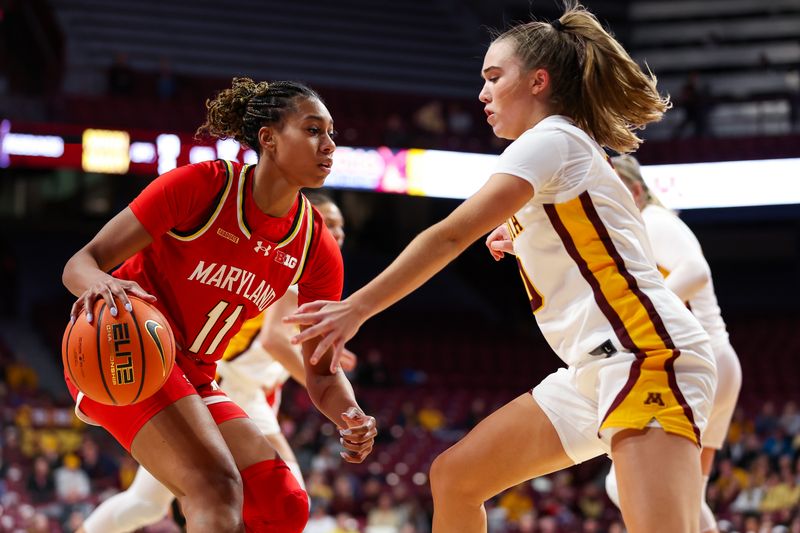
449,479
215,499
273,499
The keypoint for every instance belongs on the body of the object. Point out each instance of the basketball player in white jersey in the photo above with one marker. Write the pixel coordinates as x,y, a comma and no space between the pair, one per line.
680,258
640,374
256,364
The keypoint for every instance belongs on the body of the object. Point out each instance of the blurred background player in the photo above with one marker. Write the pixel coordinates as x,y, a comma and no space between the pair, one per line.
257,361
680,258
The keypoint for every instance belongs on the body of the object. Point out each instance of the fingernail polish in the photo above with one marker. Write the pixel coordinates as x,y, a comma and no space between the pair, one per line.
89,317
71,319
345,432
128,307
114,311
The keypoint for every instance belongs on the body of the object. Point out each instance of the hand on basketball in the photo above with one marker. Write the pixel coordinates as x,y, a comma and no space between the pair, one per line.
359,435
499,242
334,322
113,291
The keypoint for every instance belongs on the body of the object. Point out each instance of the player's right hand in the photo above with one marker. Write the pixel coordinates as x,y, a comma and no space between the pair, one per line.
112,290
499,242
358,436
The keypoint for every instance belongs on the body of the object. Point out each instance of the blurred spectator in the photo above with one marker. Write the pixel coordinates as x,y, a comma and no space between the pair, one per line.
372,370
790,418
72,483
766,420
430,124
121,77
395,132
320,521
166,82
476,413
695,99
430,416
41,484
749,499
344,496
345,523
319,492
516,502
384,517
101,469
782,493
39,523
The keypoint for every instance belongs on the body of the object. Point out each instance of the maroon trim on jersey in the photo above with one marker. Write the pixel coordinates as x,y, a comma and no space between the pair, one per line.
536,299
647,303
611,315
210,213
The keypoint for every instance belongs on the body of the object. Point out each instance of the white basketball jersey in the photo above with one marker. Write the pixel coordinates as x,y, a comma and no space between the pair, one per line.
583,251
672,241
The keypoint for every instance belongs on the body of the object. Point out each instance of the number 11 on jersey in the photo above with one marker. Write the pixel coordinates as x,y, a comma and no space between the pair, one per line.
213,317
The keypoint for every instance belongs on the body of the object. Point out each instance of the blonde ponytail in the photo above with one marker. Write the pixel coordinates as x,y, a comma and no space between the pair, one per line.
593,79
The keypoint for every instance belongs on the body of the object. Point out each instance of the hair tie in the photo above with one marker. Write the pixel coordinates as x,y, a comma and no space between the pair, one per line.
557,25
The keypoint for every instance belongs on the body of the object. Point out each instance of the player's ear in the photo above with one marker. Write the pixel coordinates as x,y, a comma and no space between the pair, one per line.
266,138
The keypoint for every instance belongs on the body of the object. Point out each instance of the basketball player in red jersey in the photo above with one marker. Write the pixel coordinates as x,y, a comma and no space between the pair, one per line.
211,245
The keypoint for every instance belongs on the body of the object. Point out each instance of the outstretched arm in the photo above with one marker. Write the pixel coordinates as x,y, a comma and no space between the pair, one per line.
502,196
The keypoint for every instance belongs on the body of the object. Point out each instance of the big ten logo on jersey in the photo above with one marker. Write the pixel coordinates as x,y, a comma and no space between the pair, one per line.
285,259
121,359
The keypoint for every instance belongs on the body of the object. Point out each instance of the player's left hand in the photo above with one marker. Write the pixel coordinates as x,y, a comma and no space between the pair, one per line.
334,322
359,435
499,242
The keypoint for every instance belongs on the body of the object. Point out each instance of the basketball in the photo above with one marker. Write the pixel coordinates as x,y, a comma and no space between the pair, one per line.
119,360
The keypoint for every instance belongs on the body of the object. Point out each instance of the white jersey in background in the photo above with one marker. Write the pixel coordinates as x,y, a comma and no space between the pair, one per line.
584,254
672,241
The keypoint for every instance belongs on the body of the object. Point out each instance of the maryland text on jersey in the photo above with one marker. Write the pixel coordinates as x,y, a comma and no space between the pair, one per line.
235,280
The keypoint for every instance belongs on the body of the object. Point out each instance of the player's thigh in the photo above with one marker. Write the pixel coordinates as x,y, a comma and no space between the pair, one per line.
182,447
515,443
659,482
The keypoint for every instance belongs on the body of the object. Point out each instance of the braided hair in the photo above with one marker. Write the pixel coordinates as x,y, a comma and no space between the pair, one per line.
239,112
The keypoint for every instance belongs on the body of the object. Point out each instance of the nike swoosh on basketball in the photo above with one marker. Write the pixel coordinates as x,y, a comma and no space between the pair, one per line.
152,328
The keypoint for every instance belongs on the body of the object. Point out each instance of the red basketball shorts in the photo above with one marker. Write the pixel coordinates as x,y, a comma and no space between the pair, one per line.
187,377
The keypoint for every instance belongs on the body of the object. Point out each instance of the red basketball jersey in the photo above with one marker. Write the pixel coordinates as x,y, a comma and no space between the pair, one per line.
216,259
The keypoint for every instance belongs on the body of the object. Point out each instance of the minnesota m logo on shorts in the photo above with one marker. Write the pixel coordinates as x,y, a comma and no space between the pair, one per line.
654,398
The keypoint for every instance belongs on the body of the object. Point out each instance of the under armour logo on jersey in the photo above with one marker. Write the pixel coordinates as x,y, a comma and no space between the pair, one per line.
654,398
261,248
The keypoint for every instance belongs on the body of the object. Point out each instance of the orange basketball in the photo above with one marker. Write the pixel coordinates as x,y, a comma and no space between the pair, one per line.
119,360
